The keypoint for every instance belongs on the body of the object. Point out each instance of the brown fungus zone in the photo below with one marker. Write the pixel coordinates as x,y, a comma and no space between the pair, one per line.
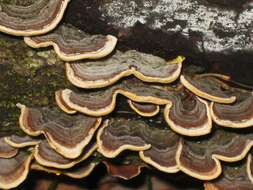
209,87
6,150
188,114
21,141
79,171
236,115
144,109
116,135
67,134
34,18
103,101
202,158
234,177
14,170
124,171
105,72
72,44
46,156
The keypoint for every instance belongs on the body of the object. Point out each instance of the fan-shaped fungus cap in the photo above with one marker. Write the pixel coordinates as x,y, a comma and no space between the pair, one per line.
61,103
124,171
102,102
6,151
250,167
234,178
101,73
117,135
208,87
201,158
144,109
32,18
188,115
164,145
72,44
14,170
78,171
47,156
236,115
66,134
21,141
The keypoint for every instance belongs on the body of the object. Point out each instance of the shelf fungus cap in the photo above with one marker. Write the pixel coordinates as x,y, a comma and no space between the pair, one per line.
103,101
33,18
164,145
102,73
236,115
188,114
67,134
208,87
117,135
144,109
47,156
72,44
234,177
124,171
62,104
78,171
21,141
14,170
6,150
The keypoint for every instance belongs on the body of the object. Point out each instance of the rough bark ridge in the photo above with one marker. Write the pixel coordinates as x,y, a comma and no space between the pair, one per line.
216,34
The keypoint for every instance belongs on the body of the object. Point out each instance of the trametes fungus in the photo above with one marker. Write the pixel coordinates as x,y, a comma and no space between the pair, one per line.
72,44
32,18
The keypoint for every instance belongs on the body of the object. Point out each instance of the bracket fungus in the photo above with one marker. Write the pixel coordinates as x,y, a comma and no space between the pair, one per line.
102,73
6,150
117,135
235,177
164,145
14,170
46,156
79,171
66,134
144,109
202,159
72,44
188,115
208,87
103,101
32,18
21,141
122,170
236,115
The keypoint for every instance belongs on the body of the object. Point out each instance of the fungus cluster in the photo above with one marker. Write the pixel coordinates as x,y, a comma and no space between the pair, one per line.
174,119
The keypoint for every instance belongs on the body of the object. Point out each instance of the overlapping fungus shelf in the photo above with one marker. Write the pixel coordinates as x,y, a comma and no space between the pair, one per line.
144,109
65,133
21,141
101,73
201,158
188,114
236,115
31,17
72,44
208,87
235,177
79,171
47,156
126,166
103,101
6,151
118,135
14,170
